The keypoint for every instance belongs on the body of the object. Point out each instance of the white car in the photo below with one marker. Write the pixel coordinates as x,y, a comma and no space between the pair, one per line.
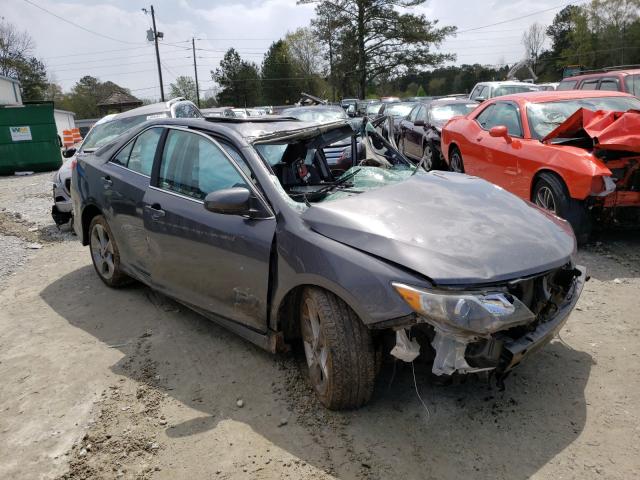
486,90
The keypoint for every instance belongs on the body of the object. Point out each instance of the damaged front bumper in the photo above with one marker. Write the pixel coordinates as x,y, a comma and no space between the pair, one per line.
462,352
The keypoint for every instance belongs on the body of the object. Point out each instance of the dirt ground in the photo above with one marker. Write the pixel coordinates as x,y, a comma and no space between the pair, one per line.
100,383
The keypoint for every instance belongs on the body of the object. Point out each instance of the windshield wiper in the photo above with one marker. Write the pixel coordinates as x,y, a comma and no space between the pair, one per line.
337,183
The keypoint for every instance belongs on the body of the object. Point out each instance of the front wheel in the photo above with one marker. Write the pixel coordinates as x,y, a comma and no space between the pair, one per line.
105,254
338,349
455,161
550,193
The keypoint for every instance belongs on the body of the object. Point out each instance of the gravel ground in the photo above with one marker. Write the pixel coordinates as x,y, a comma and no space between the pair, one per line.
100,384
25,220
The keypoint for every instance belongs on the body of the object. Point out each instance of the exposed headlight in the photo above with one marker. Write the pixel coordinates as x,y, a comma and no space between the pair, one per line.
481,313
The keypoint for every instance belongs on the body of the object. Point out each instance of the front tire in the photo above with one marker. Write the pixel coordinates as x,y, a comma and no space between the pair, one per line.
455,161
428,158
550,193
105,254
338,349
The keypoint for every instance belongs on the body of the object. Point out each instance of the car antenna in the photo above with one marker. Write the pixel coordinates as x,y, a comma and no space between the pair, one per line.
306,201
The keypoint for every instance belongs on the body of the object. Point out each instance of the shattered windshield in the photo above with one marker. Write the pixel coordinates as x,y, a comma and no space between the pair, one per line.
545,117
301,169
105,132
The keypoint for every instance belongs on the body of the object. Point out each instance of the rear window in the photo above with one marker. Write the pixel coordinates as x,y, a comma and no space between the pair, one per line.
632,84
105,132
567,85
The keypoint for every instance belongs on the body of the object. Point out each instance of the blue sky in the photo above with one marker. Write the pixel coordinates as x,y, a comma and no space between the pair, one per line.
248,25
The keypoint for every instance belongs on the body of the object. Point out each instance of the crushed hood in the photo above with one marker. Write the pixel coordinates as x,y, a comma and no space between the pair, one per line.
608,130
452,228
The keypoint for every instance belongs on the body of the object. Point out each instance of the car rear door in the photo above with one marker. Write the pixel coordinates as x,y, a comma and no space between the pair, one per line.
125,180
217,263
495,158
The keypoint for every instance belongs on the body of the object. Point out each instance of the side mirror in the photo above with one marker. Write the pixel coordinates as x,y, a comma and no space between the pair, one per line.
69,152
419,123
229,201
500,131
480,99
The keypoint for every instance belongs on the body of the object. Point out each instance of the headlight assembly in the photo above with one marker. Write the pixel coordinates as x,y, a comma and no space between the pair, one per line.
480,313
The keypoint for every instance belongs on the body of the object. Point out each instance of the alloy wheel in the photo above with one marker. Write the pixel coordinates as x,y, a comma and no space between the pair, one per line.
545,199
427,158
456,162
315,346
102,251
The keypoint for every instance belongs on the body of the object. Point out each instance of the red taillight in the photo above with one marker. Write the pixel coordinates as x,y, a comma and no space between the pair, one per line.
74,163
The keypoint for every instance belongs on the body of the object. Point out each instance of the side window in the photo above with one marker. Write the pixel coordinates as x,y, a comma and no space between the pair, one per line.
122,158
501,114
414,113
610,84
476,92
423,114
506,114
194,166
144,151
589,85
484,116
567,85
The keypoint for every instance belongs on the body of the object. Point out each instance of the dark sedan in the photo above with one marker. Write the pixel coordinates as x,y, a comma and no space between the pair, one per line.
242,221
419,133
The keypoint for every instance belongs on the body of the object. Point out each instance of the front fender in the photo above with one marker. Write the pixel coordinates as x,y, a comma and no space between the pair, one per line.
361,280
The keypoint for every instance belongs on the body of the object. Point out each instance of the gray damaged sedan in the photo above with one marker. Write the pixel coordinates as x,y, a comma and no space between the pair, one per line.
243,221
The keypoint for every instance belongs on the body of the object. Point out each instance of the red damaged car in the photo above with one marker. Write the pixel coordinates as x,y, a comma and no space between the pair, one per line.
576,153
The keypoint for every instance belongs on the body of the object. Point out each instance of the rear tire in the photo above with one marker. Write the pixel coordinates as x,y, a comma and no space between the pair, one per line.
456,163
105,254
338,349
550,193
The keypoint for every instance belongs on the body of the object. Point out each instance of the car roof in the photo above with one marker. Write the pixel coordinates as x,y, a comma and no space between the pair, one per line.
251,128
551,95
504,82
606,73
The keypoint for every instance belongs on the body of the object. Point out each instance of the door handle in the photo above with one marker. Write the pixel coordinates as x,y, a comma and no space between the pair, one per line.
155,210
106,180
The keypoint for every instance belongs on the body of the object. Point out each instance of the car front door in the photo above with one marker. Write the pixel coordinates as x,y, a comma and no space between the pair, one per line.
497,157
216,262
125,179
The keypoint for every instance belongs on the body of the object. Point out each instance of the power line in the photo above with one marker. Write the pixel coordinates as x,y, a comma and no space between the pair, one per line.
78,26
520,17
80,54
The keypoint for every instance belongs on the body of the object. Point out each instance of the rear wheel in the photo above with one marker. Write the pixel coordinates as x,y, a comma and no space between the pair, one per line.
338,349
105,254
550,193
455,161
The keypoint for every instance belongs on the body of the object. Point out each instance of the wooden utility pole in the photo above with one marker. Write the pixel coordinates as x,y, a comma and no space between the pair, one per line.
195,70
155,39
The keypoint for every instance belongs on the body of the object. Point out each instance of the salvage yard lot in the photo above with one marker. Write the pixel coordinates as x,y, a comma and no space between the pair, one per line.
101,383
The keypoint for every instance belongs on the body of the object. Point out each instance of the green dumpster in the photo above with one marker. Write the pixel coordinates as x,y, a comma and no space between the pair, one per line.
28,138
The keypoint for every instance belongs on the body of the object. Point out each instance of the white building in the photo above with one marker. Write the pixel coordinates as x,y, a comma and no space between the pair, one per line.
10,91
